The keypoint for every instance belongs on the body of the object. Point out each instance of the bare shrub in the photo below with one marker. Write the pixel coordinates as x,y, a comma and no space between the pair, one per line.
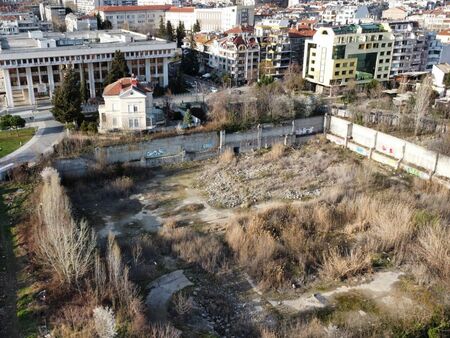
183,304
105,323
283,243
433,248
118,279
171,223
163,331
227,156
278,150
64,246
122,186
342,266
204,250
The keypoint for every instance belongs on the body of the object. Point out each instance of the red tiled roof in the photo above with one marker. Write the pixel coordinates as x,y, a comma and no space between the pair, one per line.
125,83
182,9
444,32
240,29
132,8
301,33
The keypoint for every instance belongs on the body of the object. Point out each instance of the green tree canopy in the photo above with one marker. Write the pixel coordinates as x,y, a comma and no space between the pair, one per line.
119,69
169,32
196,28
162,28
66,99
84,93
11,121
181,34
189,63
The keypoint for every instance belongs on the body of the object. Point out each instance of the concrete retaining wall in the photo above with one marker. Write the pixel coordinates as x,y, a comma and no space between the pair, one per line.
195,146
389,150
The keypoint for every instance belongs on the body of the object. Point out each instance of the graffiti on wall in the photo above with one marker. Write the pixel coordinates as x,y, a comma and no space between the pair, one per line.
155,153
304,131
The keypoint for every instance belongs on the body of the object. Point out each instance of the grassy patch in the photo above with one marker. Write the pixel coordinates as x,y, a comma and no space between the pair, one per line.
11,140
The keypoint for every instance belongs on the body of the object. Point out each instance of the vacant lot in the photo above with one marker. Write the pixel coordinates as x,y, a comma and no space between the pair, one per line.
307,242
11,140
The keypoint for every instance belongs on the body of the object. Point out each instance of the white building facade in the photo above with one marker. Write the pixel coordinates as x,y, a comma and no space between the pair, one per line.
134,17
33,64
83,23
128,107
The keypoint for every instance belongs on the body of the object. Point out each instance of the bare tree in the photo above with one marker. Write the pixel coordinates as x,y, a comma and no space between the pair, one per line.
423,101
105,323
64,246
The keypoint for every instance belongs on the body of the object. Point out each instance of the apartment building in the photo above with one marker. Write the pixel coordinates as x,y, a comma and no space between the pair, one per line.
345,15
275,46
16,25
88,6
33,64
432,20
409,46
133,17
236,55
53,13
80,23
336,55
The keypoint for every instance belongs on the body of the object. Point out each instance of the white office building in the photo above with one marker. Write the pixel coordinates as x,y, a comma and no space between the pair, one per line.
134,17
33,64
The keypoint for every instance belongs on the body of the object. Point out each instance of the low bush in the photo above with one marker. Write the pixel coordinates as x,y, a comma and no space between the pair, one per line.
227,156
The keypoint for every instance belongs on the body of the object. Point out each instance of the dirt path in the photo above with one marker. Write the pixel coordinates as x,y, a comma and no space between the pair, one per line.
379,287
8,283
161,290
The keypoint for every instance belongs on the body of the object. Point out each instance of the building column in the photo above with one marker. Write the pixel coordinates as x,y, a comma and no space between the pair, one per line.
51,82
165,72
91,80
18,78
147,70
31,98
8,89
130,67
100,71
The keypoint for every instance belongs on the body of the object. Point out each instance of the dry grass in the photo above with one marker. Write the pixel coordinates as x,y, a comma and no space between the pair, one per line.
278,151
121,186
434,249
338,266
205,250
227,157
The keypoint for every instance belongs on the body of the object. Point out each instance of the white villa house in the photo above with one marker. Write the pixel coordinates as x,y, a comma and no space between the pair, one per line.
128,107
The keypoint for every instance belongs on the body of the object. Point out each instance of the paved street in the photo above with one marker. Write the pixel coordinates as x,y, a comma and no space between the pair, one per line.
49,132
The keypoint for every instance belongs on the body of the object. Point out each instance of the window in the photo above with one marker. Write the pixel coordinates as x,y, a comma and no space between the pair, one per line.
383,45
130,123
338,65
344,72
361,46
352,64
345,64
350,71
136,123
390,44
132,108
336,73
381,53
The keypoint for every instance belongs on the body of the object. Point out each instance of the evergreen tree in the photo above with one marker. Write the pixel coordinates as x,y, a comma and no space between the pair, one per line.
106,24
66,99
99,21
196,28
84,93
189,63
181,34
119,69
176,84
169,32
162,28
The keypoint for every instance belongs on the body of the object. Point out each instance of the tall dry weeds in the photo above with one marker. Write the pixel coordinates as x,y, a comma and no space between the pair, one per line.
63,245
